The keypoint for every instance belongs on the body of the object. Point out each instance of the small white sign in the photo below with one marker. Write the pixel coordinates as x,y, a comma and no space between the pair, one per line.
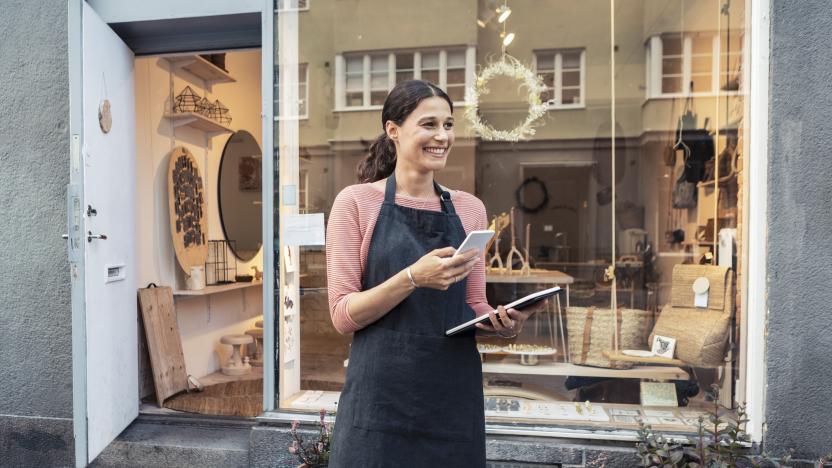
303,229
664,346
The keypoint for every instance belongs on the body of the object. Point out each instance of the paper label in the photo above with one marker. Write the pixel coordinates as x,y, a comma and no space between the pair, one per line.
303,229
701,300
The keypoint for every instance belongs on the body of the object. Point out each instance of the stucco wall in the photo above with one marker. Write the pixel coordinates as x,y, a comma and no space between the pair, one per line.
799,397
35,318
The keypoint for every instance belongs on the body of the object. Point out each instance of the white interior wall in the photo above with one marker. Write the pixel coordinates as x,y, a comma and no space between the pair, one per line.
202,320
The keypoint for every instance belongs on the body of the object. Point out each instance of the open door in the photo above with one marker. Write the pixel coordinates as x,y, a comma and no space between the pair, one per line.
105,358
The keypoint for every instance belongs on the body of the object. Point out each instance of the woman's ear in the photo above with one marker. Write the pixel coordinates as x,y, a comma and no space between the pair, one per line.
392,130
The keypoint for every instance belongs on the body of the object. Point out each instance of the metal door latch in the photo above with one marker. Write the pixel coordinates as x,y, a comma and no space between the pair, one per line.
91,236
91,211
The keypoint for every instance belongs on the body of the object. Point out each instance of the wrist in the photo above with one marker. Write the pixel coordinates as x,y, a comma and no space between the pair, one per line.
411,280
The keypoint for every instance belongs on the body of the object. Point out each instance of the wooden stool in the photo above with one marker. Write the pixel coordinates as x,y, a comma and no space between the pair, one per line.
257,334
235,364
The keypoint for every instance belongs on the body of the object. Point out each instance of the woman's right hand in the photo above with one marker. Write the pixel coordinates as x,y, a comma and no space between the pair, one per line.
437,270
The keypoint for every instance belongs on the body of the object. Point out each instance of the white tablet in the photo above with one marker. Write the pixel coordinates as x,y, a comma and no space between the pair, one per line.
521,303
475,240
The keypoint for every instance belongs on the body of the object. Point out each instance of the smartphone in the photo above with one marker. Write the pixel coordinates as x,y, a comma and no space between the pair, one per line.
475,240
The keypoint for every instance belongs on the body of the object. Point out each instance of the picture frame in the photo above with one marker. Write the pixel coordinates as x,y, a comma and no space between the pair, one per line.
663,346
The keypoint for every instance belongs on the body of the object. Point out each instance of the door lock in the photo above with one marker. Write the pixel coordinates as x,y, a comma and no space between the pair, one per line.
91,211
91,236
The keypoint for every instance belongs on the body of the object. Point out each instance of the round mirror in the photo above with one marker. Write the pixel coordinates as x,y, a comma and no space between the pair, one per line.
239,194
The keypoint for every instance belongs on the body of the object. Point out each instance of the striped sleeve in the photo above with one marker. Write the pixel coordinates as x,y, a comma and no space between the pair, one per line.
473,216
343,253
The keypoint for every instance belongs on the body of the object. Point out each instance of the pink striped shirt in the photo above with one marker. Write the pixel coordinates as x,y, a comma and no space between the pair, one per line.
350,229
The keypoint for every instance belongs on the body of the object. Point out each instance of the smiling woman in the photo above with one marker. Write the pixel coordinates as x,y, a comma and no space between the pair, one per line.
405,291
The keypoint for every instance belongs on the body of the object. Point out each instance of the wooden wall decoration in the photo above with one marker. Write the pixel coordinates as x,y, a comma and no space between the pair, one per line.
164,344
188,213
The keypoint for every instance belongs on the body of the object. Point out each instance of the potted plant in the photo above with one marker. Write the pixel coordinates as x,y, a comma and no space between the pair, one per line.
313,453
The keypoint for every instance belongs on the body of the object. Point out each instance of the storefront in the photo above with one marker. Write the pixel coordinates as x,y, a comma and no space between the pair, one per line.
621,150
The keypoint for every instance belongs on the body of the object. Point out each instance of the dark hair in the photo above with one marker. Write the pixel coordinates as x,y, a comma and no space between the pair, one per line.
402,100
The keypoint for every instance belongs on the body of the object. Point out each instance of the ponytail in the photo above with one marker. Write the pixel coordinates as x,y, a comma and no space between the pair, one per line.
380,162
402,100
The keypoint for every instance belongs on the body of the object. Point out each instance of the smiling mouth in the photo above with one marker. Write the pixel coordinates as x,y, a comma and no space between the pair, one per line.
437,150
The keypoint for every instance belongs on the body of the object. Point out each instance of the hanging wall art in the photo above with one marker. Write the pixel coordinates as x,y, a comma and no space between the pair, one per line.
187,208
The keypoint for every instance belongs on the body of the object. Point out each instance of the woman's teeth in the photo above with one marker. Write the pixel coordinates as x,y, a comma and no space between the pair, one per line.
435,150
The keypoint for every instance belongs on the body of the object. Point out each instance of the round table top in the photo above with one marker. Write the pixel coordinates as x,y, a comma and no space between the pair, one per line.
255,332
236,339
259,323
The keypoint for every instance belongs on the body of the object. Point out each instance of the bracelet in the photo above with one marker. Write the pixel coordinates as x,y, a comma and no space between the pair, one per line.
507,337
410,277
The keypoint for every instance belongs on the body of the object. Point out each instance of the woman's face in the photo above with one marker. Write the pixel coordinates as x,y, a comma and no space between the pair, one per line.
424,139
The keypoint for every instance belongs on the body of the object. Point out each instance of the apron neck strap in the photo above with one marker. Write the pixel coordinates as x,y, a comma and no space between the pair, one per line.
444,195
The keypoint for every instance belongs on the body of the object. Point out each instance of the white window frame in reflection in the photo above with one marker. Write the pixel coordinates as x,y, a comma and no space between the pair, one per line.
656,59
343,75
302,93
291,5
558,69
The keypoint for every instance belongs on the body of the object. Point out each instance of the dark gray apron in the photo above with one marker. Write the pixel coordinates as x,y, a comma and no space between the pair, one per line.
412,396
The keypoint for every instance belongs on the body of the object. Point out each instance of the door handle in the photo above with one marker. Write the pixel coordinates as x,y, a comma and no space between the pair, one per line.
91,236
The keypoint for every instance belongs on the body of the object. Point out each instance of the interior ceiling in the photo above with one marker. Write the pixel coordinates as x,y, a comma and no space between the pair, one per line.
197,34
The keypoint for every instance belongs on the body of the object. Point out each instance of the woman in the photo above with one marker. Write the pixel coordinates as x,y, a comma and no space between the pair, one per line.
412,396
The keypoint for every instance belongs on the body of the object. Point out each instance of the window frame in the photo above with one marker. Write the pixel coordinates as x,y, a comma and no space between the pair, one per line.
278,9
557,89
305,99
654,63
342,75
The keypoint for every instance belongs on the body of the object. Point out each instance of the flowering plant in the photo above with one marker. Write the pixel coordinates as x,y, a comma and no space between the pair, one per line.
316,454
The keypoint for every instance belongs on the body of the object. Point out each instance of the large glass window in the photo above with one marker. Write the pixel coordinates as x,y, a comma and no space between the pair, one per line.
631,200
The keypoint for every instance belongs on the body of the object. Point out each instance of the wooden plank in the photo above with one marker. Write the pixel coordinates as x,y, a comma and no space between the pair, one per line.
216,289
536,277
564,368
648,360
164,344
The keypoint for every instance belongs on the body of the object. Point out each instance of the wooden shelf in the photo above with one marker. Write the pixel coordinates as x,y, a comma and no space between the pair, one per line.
536,277
198,121
644,360
201,68
221,288
567,369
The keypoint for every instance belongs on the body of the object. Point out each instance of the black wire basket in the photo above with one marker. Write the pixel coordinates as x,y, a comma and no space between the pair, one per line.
220,266
220,113
187,101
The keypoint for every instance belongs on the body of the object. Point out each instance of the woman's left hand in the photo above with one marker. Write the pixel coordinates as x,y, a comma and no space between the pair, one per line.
508,323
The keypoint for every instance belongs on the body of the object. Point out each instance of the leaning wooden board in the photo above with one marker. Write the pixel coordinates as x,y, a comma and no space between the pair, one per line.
164,344
188,211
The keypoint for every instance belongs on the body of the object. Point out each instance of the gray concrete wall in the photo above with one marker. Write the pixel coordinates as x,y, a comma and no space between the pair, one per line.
799,363
35,317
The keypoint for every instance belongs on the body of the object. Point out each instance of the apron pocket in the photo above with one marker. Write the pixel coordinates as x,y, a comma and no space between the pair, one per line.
418,386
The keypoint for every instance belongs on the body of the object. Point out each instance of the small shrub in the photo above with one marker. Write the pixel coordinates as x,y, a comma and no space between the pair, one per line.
317,453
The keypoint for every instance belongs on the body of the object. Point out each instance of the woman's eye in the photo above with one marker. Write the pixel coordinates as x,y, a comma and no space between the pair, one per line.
449,125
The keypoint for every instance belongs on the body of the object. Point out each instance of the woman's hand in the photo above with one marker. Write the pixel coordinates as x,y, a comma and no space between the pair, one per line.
509,323
437,270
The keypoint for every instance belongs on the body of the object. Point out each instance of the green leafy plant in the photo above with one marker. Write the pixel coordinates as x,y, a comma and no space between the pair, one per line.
722,442
316,453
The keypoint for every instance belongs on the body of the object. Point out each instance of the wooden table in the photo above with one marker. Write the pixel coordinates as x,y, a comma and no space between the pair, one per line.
544,277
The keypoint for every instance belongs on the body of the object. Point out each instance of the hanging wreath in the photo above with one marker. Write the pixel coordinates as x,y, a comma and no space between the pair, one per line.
511,67
518,195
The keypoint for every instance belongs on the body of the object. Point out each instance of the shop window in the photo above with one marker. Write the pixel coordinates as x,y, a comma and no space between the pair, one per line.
697,63
291,5
563,73
301,90
620,223
366,86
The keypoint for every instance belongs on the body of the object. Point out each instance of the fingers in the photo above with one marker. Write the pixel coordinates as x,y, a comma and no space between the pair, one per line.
469,257
505,319
443,252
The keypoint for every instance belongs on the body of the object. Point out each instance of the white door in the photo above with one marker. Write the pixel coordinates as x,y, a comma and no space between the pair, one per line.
109,209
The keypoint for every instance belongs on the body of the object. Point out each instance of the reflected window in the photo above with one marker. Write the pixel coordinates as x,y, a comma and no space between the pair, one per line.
369,77
562,71
694,63
300,94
